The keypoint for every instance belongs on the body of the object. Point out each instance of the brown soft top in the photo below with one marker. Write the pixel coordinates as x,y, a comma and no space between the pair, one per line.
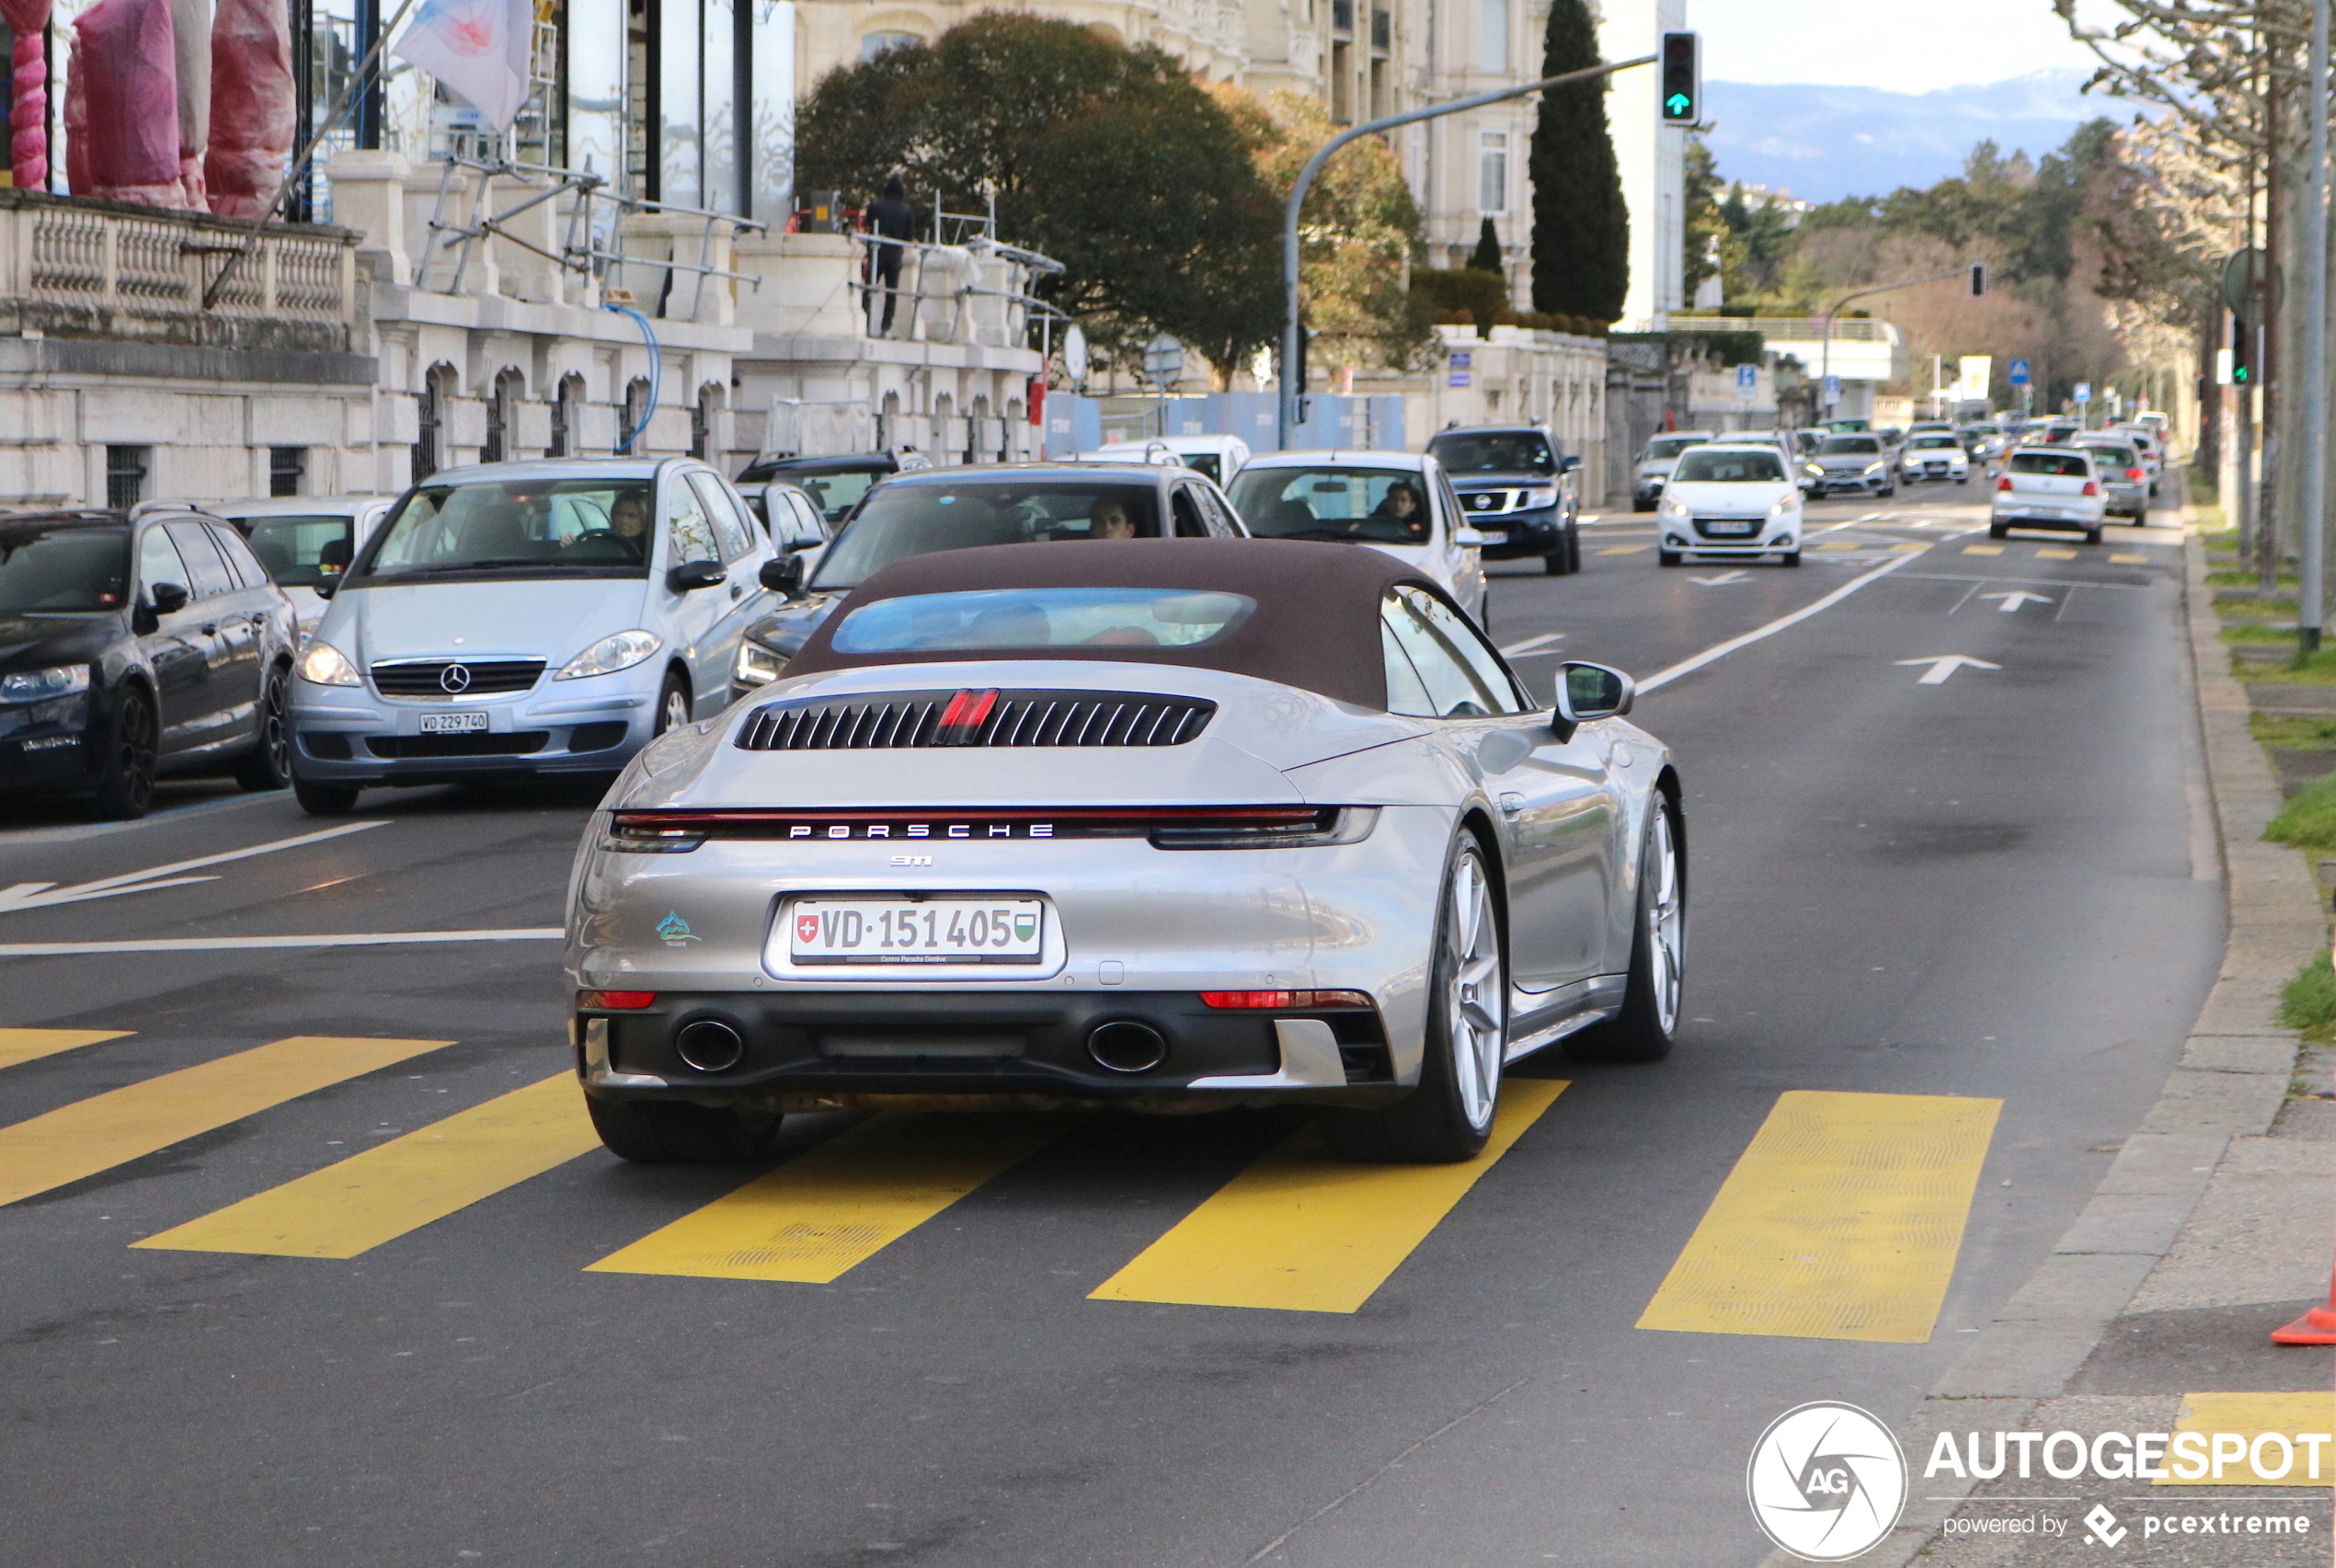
1316,626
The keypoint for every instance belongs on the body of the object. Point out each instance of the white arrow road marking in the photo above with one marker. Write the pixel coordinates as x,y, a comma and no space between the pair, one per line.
230,944
1529,644
2016,597
1723,580
1943,665
46,895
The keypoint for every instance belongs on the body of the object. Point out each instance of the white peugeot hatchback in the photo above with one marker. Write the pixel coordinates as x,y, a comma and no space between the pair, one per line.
1730,499
2051,486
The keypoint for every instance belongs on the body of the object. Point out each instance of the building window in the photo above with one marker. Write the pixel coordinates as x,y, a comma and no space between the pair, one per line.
1491,38
287,466
637,417
884,43
428,415
1492,173
502,409
126,475
566,415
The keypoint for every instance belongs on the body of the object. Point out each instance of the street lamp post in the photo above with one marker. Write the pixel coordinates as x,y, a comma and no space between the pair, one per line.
1288,401
1826,358
2311,602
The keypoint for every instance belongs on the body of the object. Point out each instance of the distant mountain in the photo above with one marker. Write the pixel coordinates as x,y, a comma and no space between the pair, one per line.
1824,144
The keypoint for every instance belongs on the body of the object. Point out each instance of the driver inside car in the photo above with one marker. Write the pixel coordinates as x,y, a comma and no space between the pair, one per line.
1402,505
1109,520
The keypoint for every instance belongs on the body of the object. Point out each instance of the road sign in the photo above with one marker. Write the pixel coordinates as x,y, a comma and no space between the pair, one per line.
1074,355
1747,383
2019,372
1163,360
1832,390
1681,97
1458,367
2242,274
2084,391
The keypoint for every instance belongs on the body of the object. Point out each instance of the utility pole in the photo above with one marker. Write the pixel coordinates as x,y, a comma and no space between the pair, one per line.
1290,358
2314,516
2268,359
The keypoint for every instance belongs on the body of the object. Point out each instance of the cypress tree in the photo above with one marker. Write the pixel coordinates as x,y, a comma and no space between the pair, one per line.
1581,228
1488,249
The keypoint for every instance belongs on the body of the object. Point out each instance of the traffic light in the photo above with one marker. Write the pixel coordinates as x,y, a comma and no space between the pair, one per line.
2242,352
1978,279
1682,102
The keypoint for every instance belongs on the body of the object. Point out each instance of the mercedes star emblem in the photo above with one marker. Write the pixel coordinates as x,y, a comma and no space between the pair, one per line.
454,679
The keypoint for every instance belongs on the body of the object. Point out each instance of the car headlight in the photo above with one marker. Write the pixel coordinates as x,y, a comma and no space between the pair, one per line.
1873,469
37,685
609,655
1672,506
756,665
1813,471
325,665
1780,507
1540,498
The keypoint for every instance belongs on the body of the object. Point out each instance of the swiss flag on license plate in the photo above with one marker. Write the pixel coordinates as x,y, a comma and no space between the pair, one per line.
806,928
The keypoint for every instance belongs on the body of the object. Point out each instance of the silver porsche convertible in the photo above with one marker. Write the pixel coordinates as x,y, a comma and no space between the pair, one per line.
1160,823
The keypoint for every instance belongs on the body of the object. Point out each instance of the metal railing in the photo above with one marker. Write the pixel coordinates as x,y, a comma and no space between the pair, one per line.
75,253
950,274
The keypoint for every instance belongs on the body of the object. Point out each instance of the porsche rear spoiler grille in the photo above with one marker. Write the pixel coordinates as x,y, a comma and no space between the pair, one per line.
976,717
679,831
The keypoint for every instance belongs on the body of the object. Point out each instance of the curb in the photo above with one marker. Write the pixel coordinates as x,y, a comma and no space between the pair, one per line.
2230,1081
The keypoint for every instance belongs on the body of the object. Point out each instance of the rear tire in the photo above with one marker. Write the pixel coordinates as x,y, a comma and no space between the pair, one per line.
324,799
269,765
126,786
1998,531
1450,1116
658,1133
2092,537
1642,1030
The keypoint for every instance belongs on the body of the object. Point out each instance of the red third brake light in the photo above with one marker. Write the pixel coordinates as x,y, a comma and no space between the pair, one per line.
968,709
2004,483
1284,1000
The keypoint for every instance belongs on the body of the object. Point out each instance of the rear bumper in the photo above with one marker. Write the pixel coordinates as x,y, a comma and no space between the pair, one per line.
2007,519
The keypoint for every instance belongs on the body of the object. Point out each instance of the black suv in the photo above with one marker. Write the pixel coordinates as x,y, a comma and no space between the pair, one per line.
834,484
1518,490
133,645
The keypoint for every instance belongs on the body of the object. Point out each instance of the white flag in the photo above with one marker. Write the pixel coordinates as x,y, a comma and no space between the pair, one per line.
479,48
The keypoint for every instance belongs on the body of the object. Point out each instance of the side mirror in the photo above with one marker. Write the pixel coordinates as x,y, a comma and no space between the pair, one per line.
1468,538
783,573
691,575
1586,691
168,597
804,541
325,588
1568,465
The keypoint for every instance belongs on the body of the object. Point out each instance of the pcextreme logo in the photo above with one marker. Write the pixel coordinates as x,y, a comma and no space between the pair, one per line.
1826,1481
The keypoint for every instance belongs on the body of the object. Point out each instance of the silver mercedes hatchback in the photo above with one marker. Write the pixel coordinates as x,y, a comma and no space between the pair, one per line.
526,620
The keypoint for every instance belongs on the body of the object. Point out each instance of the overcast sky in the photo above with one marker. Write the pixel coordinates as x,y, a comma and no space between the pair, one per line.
1904,47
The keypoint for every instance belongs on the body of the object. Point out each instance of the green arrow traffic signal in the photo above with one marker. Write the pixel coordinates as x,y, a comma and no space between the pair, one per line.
1682,79
1678,104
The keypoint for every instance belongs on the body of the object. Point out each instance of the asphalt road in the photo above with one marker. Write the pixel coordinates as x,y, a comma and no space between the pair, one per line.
1982,889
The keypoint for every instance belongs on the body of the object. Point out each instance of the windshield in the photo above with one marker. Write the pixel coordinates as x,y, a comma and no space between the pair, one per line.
299,552
2114,456
517,528
1042,618
1848,446
2062,465
901,521
834,493
63,570
1511,451
1663,448
1382,506
1941,442
1718,465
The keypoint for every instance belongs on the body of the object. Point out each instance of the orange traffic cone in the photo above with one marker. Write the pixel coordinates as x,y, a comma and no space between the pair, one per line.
2315,1327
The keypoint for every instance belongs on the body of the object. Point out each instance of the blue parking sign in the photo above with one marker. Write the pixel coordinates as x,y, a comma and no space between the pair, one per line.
2019,372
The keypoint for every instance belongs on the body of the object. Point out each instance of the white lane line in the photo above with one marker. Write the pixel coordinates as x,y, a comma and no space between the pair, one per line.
1720,650
46,895
228,943
1529,644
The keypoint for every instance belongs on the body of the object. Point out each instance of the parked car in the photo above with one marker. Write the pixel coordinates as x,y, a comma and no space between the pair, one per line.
1730,499
2124,481
1522,495
1215,752
834,484
2048,487
956,509
1396,502
1859,463
1220,457
788,514
137,646
519,620
305,540
1934,454
1656,464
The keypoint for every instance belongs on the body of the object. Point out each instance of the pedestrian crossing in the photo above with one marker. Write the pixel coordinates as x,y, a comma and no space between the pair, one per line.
1843,1219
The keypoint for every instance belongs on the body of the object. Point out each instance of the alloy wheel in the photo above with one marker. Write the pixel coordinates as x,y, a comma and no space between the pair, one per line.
275,734
676,712
134,741
1476,1005
1666,925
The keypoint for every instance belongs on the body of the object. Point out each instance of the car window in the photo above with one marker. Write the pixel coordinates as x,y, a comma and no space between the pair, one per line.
2112,456
1221,521
211,575
1456,629
834,493
1385,506
918,518
1848,446
1665,447
730,529
60,570
687,532
512,528
1042,618
158,561
1494,451
1938,441
1460,682
1405,692
248,572
1719,465
1186,511
299,552
2059,465
1454,513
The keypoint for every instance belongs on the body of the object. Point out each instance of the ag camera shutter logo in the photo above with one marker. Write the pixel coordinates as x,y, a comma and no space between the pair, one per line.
1826,1481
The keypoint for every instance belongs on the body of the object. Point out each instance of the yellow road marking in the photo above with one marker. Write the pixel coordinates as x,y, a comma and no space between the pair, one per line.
1983,549
2247,1417
2056,555
1842,1222
1306,1232
2127,560
1624,549
31,1045
841,1203
1840,544
120,1125
404,1184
